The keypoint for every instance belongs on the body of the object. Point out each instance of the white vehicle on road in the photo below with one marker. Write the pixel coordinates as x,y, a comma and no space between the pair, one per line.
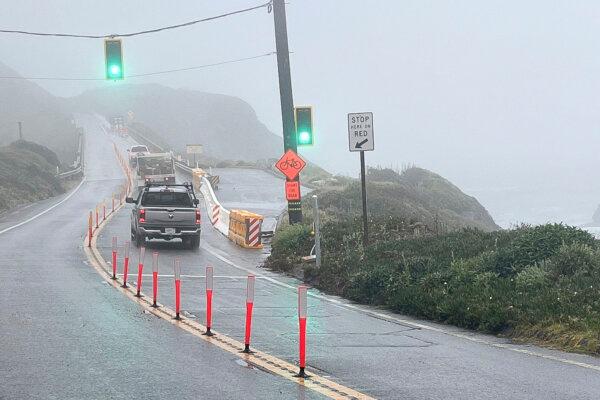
135,152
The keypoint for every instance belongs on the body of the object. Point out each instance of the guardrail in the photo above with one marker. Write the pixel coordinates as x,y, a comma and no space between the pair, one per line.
79,161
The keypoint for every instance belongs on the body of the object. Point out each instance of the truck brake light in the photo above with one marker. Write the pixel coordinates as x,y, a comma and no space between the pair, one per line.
142,215
198,220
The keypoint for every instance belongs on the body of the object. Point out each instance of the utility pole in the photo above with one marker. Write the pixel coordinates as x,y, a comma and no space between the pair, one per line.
285,94
20,130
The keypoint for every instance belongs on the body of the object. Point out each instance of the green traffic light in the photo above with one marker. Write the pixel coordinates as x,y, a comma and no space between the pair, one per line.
115,70
304,137
304,126
113,53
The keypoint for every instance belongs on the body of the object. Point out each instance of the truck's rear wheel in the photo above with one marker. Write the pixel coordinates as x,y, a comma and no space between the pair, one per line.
195,242
140,240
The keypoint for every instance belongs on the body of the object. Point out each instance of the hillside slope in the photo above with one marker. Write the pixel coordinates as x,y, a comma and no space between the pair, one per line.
44,118
27,174
226,126
415,195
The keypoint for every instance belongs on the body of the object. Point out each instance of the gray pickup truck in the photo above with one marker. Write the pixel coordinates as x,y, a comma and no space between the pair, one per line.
166,212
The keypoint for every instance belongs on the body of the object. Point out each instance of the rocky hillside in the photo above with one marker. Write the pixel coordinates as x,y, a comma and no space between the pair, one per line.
44,118
27,174
416,195
226,126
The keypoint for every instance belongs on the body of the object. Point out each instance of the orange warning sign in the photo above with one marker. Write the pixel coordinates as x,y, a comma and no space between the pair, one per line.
292,191
290,165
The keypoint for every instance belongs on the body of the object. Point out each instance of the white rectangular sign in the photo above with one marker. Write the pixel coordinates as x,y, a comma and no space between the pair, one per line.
360,131
194,148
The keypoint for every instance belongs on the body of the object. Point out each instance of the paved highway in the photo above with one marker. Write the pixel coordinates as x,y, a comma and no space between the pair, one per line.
67,334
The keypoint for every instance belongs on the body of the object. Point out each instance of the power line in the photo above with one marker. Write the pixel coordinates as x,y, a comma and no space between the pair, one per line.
268,5
203,66
51,78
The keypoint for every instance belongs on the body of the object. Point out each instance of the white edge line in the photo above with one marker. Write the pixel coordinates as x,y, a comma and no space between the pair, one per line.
390,318
10,228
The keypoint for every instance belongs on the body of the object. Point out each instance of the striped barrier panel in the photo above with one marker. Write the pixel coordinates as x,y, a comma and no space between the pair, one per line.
216,211
214,180
219,215
244,228
253,232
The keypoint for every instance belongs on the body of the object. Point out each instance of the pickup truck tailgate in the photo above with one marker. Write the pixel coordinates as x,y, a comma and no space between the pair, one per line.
171,217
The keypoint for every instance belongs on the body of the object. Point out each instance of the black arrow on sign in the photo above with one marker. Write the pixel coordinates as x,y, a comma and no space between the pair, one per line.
359,145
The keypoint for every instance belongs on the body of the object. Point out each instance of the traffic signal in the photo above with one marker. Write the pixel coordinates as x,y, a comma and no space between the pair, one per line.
113,54
304,126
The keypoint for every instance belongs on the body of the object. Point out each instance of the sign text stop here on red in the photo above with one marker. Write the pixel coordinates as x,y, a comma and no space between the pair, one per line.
292,190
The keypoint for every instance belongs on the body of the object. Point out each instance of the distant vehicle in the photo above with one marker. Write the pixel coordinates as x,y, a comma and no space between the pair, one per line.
155,168
166,212
135,152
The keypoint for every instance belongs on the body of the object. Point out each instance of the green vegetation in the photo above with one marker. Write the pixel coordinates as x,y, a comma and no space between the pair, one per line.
27,174
535,283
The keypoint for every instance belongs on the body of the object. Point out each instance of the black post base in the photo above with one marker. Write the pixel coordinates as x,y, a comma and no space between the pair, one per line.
247,349
208,332
302,374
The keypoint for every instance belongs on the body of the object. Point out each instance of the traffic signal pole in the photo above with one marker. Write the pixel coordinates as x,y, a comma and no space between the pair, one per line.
285,94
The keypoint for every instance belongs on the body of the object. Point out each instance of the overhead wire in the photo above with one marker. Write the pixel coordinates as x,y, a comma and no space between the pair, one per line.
268,5
51,78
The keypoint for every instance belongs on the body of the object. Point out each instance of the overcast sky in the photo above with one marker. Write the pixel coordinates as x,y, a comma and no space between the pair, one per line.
490,94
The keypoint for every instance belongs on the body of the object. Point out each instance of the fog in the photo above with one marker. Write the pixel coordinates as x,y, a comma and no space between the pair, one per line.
500,97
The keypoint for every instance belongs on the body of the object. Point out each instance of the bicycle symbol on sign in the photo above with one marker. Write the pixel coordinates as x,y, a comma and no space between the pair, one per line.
290,163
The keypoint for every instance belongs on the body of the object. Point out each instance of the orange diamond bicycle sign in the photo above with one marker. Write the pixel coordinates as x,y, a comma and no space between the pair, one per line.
290,164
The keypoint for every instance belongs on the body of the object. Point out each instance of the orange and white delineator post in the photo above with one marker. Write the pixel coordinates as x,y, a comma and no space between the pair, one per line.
126,263
114,257
209,293
177,274
140,270
154,278
249,306
96,217
103,211
302,305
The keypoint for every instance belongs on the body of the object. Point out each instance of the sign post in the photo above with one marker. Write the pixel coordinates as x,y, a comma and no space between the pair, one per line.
360,138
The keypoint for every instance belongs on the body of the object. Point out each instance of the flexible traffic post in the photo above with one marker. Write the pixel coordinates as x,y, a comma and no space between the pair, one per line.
302,304
113,203
114,257
154,278
140,270
249,305
177,273
96,216
209,292
126,263
90,230
103,211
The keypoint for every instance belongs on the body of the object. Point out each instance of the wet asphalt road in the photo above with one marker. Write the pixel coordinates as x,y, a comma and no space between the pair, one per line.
66,334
